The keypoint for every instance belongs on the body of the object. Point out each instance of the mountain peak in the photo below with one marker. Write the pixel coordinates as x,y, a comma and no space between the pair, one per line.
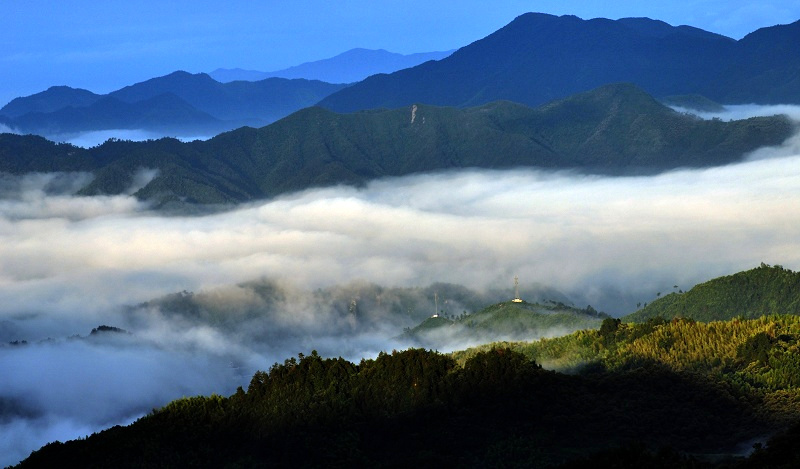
538,57
350,66
52,99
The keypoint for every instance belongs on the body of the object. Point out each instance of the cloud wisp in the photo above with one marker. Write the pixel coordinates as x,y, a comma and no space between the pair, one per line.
4,129
94,138
733,112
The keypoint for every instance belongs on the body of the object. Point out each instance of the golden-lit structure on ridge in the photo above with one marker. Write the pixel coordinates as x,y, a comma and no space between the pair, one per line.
516,291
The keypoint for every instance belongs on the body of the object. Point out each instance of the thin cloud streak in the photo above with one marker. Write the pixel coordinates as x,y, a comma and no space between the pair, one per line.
733,112
97,137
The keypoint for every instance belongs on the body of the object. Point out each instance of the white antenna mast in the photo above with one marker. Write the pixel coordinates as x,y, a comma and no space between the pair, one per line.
516,291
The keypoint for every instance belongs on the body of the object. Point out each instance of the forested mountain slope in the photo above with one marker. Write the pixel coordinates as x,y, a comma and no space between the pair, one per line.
614,129
677,394
749,294
503,321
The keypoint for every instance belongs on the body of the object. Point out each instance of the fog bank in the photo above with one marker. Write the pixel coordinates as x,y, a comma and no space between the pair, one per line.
579,234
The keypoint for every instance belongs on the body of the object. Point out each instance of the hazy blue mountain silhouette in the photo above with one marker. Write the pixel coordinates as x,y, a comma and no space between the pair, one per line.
538,57
178,102
348,67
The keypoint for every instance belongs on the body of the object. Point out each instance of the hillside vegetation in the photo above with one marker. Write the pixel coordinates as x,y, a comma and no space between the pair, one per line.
613,129
502,321
697,389
757,356
749,294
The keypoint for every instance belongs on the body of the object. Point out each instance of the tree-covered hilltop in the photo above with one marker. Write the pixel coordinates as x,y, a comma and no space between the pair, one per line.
502,321
757,356
634,389
752,293
614,129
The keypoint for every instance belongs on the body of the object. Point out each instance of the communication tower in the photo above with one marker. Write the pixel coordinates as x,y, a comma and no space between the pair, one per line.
516,291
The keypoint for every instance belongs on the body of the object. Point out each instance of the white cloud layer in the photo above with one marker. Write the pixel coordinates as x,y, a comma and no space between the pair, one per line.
476,228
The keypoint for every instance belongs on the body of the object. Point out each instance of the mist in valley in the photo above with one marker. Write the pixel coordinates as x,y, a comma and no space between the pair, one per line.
207,300
94,138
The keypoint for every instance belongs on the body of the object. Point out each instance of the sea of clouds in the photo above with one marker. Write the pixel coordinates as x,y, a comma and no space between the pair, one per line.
69,264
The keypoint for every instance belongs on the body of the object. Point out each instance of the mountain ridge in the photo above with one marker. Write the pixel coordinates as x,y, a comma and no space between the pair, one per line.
534,59
538,57
615,129
761,291
52,99
348,67
199,105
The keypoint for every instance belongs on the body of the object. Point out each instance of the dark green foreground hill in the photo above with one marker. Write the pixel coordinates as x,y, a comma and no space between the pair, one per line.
615,129
659,394
749,294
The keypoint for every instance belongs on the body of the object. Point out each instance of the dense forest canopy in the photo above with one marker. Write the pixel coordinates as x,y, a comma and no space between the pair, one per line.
696,388
749,294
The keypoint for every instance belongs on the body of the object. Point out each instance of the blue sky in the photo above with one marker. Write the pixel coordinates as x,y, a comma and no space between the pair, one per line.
102,46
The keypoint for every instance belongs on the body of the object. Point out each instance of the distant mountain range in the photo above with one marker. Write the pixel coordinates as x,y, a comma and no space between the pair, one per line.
347,67
180,102
198,104
538,58
613,129
535,59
